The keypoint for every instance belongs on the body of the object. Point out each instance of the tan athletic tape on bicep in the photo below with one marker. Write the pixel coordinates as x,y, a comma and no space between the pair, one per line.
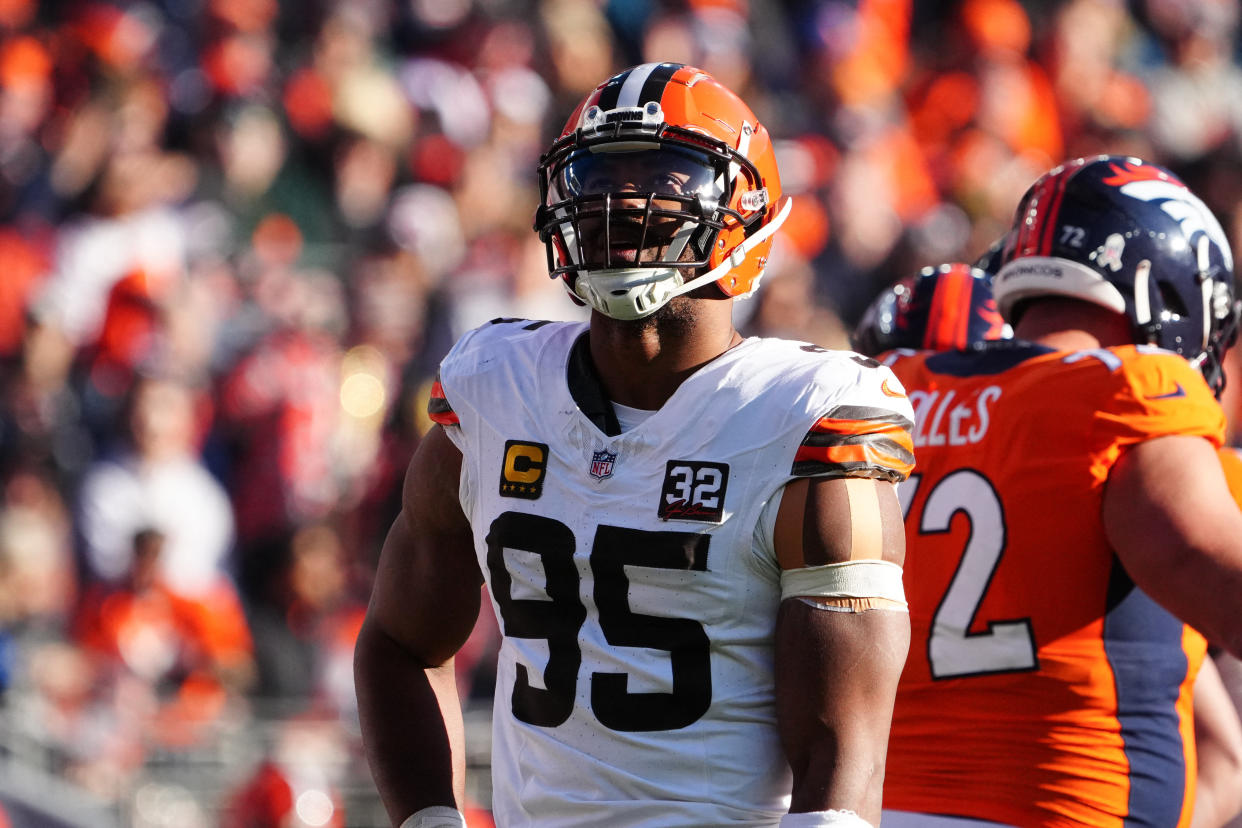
866,526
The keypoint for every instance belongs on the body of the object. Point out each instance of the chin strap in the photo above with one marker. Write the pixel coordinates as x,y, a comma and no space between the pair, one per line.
738,254
635,292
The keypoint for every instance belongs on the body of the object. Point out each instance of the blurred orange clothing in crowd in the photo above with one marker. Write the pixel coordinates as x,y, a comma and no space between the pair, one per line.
200,645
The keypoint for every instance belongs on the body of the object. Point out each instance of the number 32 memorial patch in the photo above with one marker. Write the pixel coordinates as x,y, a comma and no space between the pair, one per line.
694,490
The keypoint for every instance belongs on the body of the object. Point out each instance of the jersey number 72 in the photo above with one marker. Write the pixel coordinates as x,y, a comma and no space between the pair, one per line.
953,651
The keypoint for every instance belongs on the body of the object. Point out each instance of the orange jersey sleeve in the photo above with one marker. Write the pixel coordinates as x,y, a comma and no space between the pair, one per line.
1042,687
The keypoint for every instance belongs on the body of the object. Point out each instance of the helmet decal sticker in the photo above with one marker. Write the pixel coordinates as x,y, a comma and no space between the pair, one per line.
1109,255
996,326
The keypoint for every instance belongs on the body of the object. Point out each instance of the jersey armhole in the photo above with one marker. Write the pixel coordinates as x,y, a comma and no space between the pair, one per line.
465,482
764,535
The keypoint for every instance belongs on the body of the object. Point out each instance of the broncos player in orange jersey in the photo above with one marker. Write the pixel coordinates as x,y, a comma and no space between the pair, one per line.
952,307
1069,523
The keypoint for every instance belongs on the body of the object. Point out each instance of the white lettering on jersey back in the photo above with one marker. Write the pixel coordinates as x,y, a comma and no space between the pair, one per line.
943,419
1110,360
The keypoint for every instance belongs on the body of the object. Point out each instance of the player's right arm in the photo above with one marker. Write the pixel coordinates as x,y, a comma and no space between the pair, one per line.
1218,741
423,606
1168,514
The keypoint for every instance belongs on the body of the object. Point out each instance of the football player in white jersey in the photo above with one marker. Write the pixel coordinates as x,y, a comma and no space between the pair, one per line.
691,540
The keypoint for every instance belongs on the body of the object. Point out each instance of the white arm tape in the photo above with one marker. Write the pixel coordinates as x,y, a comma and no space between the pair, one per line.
849,579
824,819
437,816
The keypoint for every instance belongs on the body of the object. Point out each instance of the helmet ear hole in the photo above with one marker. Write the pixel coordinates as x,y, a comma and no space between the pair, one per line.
1171,301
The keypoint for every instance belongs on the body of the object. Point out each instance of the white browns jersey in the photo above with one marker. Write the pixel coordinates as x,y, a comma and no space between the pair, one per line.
633,573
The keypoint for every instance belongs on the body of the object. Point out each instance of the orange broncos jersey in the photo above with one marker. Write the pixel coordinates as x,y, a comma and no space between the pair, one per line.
1042,687
1231,464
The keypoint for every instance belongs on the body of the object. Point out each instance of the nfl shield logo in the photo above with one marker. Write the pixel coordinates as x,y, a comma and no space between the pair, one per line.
602,463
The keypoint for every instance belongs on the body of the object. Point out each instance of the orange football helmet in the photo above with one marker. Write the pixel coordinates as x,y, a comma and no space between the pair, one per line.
660,171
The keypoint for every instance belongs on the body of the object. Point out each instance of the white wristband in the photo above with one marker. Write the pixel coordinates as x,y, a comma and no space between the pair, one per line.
824,819
437,816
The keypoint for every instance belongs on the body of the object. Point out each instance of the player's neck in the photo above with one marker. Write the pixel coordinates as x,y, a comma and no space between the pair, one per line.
1073,325
641,365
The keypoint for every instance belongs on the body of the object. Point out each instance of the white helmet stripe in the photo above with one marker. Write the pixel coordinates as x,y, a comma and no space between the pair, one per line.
632,89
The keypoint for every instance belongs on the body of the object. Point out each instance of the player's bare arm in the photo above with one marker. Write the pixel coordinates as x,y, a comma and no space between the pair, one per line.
423,607
839,658
1168,514
1218,741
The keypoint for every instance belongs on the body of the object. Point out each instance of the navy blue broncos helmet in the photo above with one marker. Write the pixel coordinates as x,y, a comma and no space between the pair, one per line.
1130,236
939,309
994,257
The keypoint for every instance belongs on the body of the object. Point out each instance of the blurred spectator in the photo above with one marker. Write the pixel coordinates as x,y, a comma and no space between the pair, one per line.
305,619
155,480
191,653
128,225
38,583
42,426
25,267
1103,105
1197,93
296,786
786,307
95,728
280,408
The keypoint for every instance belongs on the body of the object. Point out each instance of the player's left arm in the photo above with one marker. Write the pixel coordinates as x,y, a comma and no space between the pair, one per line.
842,634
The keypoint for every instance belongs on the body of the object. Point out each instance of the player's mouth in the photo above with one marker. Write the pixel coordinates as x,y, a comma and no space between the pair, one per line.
630,245
630,253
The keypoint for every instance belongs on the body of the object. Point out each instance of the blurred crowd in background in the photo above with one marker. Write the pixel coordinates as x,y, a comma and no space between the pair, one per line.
238,235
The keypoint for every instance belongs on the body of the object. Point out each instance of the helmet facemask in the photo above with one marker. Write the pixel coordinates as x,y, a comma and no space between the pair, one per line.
1223,314
1196,318
632,207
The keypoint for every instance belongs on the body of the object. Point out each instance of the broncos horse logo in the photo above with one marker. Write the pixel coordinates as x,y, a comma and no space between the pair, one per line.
1150,184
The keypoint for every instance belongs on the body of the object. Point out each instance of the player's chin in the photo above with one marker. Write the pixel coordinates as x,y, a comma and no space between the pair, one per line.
676,317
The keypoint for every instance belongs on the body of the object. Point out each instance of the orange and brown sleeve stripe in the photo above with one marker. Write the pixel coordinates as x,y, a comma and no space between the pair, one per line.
854,441
438,408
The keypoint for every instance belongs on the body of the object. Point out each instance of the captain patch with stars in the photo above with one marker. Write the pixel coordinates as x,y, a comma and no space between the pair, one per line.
521,475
